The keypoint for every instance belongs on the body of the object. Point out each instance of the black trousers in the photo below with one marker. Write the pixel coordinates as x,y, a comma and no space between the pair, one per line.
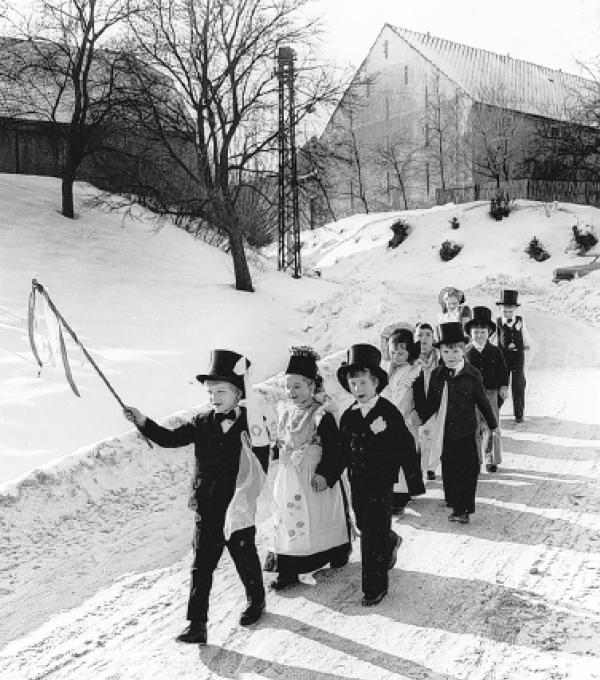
460,470
373,511
516,366
517,386
209,544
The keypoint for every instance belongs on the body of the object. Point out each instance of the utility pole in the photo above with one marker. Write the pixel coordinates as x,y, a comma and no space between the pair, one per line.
289,218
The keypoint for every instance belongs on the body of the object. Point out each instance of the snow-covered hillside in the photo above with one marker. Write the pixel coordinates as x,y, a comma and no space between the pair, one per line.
94,547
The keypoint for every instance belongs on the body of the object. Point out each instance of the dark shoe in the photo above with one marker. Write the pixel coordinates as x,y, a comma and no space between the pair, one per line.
371,600
430,475
398,511
340,562
284,581
394,553
519,420
464,518
453,517
490,467
252,613
195,633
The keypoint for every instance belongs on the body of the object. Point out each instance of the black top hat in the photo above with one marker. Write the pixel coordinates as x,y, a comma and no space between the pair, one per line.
303,361
451,333
361,357
482,316
509,297
226,366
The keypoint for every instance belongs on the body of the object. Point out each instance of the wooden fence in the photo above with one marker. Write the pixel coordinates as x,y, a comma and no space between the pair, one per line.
583,193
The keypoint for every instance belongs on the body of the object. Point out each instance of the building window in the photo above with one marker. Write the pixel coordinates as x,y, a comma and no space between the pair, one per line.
427,134
385,49
388,184
368,87
387,108
554,132
406,75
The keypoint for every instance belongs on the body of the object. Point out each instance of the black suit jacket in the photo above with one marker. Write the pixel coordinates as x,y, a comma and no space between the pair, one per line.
465,392
217,459
374,459
491,364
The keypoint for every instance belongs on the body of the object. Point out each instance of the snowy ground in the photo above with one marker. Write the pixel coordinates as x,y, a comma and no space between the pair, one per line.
94,549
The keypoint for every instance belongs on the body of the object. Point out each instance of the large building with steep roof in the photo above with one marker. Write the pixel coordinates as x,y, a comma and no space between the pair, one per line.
425,113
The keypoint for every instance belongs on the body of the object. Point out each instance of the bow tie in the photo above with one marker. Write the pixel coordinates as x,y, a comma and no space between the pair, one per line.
230,415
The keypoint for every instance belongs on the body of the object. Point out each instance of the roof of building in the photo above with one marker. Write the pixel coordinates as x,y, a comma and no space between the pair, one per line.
499,79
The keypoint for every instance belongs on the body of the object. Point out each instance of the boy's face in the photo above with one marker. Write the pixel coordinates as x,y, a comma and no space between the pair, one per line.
508,311
425,337
398,353
297,389
452,354
480,334
363,386
222,396
451,302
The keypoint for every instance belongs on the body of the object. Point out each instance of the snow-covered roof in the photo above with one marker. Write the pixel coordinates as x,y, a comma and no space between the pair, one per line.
527,87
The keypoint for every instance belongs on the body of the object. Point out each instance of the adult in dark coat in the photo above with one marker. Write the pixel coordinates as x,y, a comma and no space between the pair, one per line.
375,442
217,437
460,459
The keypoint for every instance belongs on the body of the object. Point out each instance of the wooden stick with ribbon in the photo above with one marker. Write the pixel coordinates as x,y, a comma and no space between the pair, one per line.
39,288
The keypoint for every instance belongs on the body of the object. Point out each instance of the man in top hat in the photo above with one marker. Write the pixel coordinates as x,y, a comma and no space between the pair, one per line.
218,436
375,443
455,390
513,340
489,361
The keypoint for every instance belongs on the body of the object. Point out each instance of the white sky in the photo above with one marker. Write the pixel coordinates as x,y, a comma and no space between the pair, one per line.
554,33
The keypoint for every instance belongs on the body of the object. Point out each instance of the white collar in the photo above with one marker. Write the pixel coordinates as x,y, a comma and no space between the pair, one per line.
367,406
459,367
478,347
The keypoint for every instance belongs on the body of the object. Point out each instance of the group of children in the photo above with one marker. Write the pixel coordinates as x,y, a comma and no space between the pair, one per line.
438,400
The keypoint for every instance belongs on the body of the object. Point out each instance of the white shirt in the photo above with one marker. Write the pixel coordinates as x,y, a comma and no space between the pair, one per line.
366,406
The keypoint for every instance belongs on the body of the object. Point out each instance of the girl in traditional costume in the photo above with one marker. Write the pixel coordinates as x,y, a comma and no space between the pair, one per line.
311,518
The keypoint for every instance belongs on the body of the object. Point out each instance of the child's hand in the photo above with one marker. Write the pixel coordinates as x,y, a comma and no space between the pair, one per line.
504,393
318,483
134,416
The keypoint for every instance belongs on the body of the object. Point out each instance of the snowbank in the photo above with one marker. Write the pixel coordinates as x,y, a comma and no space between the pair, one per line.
579,298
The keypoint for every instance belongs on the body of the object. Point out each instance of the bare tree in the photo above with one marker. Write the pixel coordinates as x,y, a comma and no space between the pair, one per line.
64,69
497,134
219,55
396,158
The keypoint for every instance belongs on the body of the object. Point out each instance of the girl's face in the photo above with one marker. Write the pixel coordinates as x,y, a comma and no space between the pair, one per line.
298,389
451,302
222,396
425,337
452,354
363,386
479,334
398,353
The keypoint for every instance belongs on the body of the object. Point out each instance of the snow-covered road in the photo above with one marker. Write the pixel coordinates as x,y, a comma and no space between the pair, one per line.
96,586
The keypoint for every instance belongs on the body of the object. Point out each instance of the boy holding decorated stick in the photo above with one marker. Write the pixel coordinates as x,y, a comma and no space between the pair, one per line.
228,477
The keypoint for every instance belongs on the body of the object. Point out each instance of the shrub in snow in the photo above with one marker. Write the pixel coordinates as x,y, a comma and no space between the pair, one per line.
536,250
401,230
454,223
584,239
500,207
449,250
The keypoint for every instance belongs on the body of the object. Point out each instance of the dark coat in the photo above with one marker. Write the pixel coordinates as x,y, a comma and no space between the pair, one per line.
332,462
374,460
217,459
491,364
465,391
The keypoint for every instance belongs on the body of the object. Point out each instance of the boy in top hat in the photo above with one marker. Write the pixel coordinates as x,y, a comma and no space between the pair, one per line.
513,340
218,436
489,361
455,389
375,442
